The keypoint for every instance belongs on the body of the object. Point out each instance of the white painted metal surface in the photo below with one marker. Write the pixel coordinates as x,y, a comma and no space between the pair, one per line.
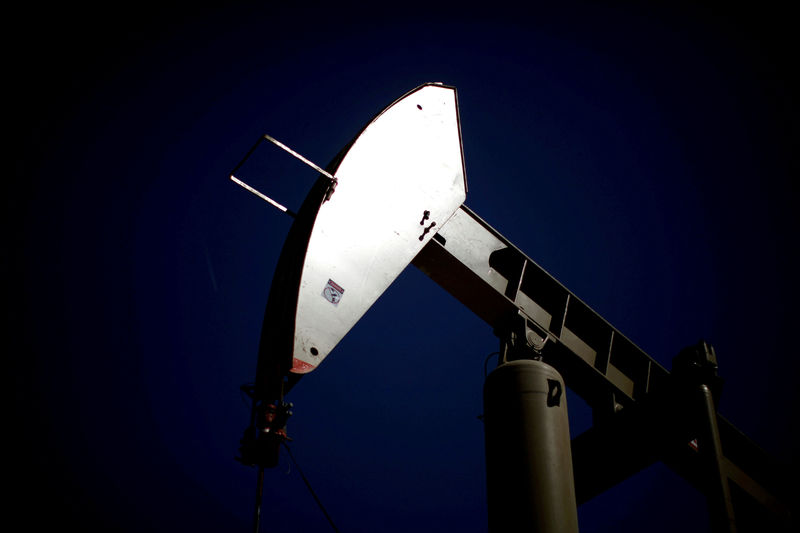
401,180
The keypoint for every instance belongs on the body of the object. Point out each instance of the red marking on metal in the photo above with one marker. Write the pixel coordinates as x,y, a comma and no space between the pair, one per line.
301,367
335,286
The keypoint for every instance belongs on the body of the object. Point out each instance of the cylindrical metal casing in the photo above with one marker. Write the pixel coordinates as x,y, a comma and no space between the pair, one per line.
530,486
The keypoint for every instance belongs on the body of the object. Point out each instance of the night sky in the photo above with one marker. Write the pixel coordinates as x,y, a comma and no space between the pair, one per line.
645,157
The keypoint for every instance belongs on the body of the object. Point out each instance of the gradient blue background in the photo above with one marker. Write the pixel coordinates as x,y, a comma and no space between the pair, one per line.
646,157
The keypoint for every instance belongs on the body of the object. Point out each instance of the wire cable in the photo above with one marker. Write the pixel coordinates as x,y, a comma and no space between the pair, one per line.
308,485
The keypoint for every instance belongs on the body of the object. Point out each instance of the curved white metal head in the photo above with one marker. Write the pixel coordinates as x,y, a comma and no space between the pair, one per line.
400,180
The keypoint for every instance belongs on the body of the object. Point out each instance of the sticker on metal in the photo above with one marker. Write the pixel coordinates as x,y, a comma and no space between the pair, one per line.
332,292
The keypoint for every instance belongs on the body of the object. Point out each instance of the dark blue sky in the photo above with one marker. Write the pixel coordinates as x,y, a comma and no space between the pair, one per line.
646,157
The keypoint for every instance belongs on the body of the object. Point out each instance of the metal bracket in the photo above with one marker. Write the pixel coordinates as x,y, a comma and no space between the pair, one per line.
331,188
522,339
696,365
261,440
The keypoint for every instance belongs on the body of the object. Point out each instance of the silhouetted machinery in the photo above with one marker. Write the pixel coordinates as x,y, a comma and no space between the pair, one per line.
393,197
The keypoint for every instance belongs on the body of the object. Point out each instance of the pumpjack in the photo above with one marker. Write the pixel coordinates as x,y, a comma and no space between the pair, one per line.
394,196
